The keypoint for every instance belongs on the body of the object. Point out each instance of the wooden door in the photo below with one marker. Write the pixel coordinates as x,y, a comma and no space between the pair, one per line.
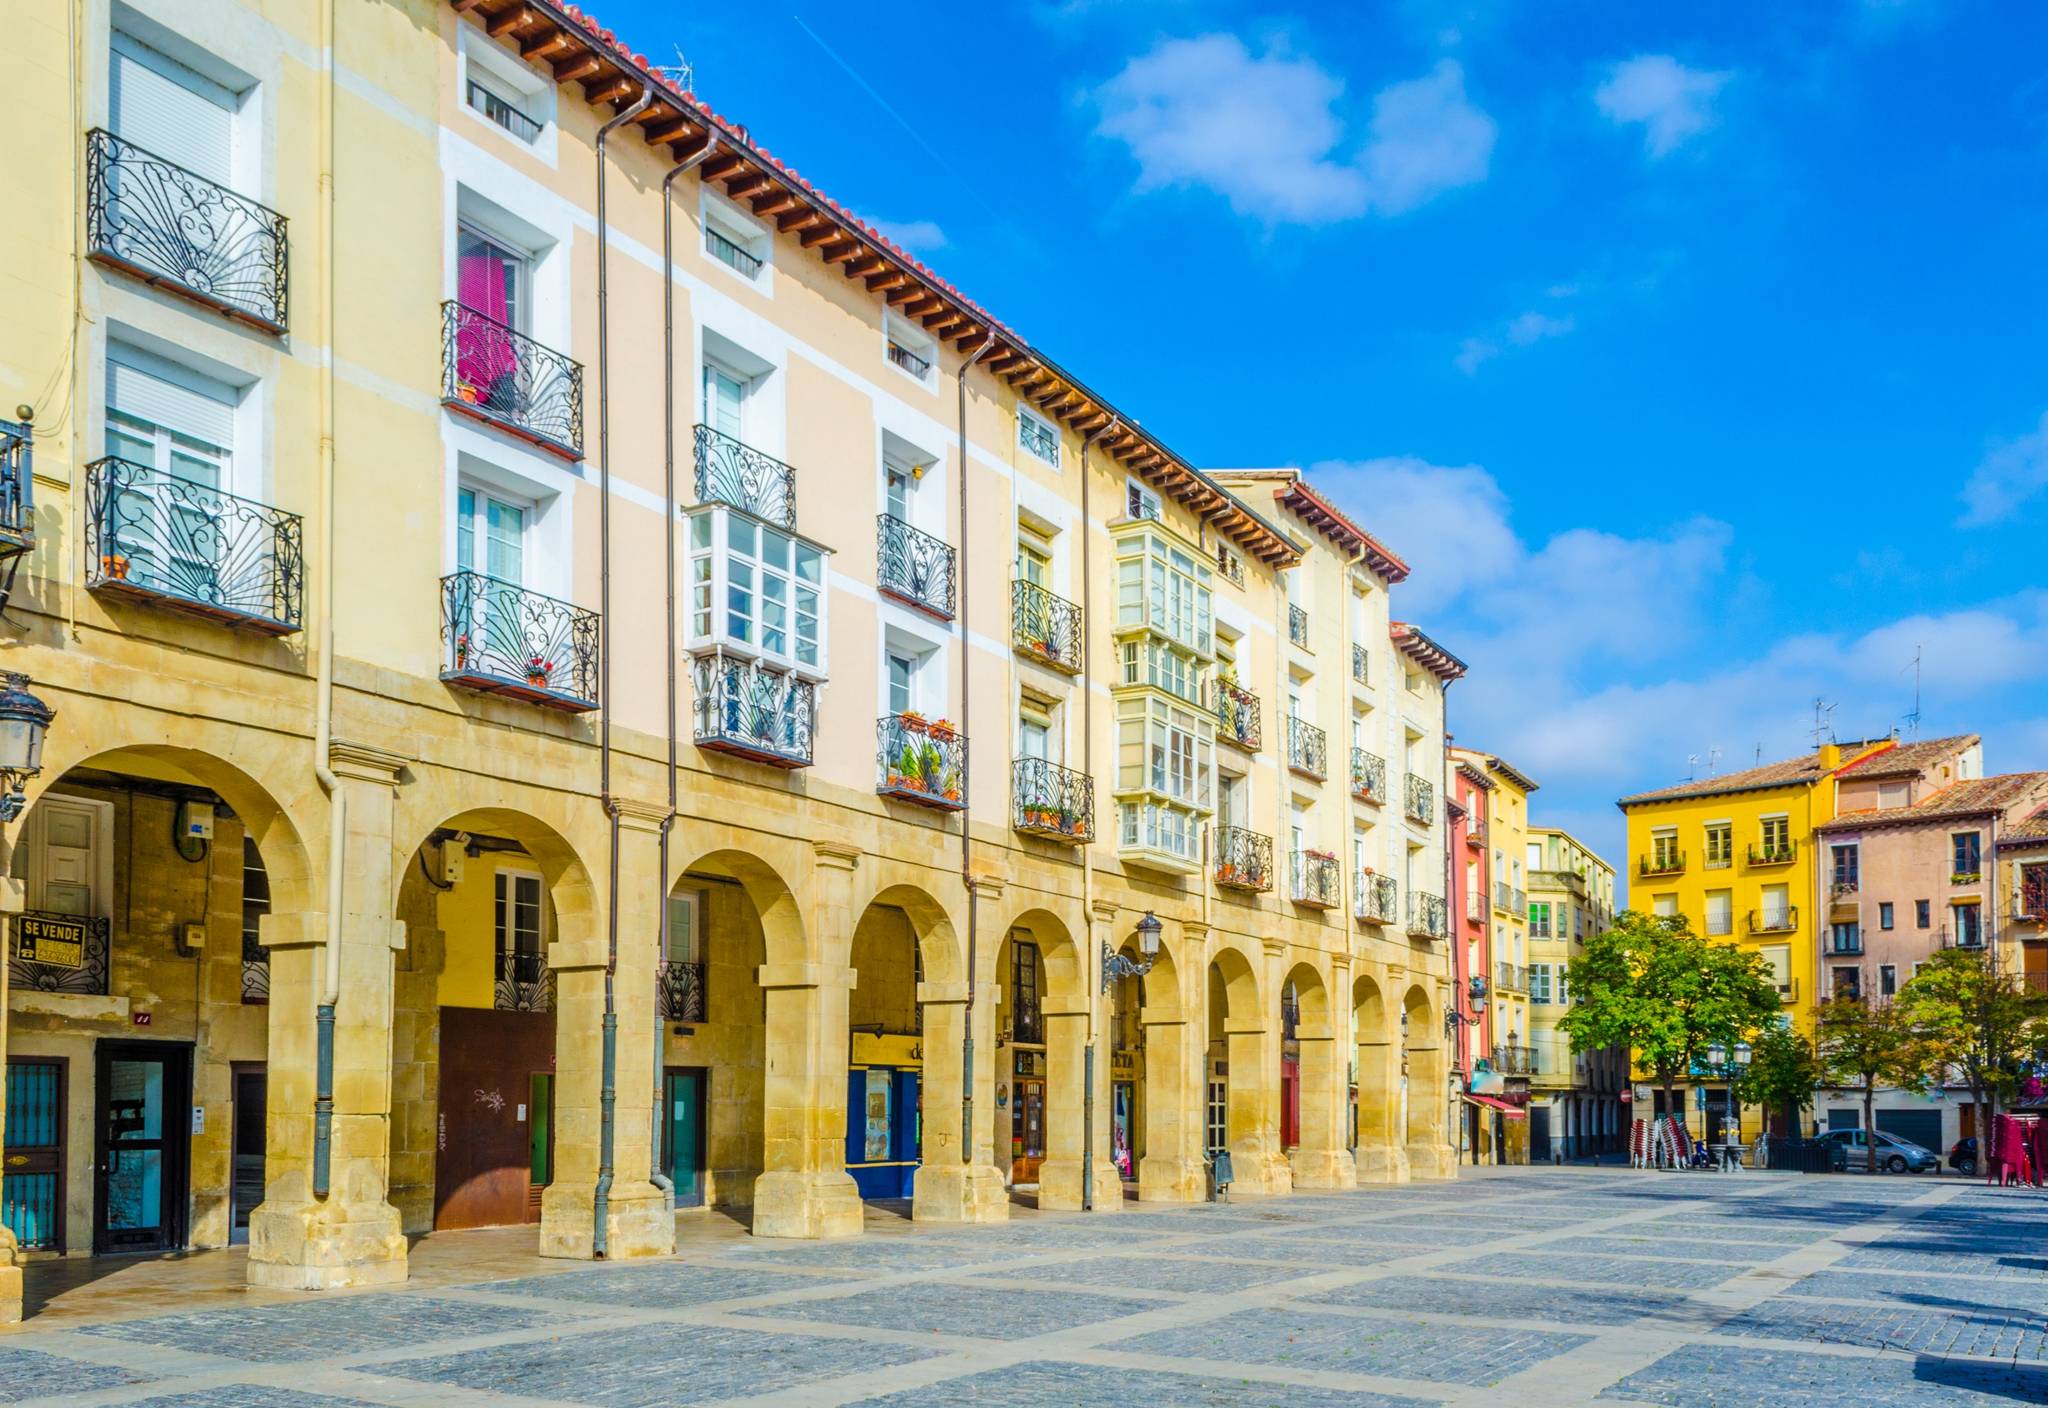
32,1184
492,1149
1027,1130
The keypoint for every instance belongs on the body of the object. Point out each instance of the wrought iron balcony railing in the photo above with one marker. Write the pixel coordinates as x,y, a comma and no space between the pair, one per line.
1045,627
1360,664
255,971
1775,921
1244,859
681,989
59,953
1503,894
1237,716
1368,776
1515,1060
1428,916
177,543
921,762
1315,880
914,567
1308,749
1418,800
17,488
1379,899
503,639
524,983
1510,977
1229,565
1836,944
749,711
1668,863
1774,853
731,253
1297,626
174,228
501,376
1051,801
917,366
733,472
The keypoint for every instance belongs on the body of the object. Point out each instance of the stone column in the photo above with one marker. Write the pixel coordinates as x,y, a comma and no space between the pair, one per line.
10,905
948,1187
351,1237
1173,1169
1429,1155
1322,1160
639,1220
1061,1176
1253,1119
1381,1155
804,1189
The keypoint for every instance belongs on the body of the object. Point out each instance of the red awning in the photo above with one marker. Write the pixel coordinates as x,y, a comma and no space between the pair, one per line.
1513,1112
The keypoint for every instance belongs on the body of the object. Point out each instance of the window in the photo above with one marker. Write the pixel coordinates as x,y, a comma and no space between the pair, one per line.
1969,860
178,424
1887,980
725,395
1539,982
1923,914
170,110
1026,1024
908,349
685,927
1720,912
1539,919
1845,938
518,920
1164,587
1141,502
499,526
1665,906
1777,907
756,590
1664,848
1777,837
1894,794
1884,914
1848,983
1720,845
1564,976
493,279
1845,866
731,240
1034,557
1037,437
1034,734
484,97
1969,924
70,862
902,677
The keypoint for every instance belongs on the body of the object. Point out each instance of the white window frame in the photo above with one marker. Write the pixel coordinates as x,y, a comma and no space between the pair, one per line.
512,82
1038,437
500,878
1141,500
99,851
914,340
719,216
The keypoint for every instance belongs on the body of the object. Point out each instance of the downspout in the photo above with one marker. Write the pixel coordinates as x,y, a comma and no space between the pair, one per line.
656,1174
1093,954
323,716
967,818
1443,804
608,1093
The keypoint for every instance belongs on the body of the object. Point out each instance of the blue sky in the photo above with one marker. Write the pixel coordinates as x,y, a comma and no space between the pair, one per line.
1692,354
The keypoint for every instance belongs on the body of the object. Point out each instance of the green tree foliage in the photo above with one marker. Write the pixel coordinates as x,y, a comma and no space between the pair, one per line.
1783,1071
1969,1017
1652,985
1864,1044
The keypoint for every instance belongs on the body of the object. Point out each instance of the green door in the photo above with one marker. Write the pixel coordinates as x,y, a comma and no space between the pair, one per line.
683,1136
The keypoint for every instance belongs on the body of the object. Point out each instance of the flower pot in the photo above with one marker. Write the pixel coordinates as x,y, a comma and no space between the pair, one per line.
537,679
114,566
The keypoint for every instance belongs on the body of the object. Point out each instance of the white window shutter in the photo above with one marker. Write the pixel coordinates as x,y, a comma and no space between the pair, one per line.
167,109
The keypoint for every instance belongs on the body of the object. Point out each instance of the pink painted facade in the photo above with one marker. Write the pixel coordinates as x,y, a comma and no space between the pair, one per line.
1470,884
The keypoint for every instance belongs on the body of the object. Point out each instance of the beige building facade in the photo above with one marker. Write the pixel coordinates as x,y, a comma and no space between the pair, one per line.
1575,1093
588,684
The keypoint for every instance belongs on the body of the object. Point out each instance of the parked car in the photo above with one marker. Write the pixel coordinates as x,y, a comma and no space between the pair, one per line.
1894,1155
1963,1158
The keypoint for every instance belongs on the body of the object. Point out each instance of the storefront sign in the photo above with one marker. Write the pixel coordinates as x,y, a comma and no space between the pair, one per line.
52,941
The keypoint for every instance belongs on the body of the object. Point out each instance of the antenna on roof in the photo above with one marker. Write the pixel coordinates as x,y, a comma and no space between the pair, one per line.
1692,767
1714,760
1759,755
1913,719
1823,722
680,73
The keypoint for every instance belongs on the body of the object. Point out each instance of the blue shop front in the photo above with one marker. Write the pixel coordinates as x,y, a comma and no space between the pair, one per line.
884,1133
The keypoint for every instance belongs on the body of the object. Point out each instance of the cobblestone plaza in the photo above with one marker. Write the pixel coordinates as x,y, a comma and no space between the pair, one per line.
1509,1287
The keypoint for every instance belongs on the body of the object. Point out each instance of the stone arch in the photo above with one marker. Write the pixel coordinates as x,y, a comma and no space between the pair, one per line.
1046,1109
904,951
765,882
1244,1058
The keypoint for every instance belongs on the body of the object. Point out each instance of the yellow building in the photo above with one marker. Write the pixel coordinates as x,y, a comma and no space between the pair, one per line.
494,781
1575,1095
1512,1055
2020,853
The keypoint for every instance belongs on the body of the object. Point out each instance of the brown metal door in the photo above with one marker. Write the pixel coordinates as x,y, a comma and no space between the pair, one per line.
1027,1130
484,1152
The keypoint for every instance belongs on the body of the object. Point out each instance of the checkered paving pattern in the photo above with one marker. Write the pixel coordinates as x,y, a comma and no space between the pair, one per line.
1691,1290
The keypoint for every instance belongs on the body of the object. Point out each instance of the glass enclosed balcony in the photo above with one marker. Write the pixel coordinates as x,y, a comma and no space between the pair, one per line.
496,374
174,542
503,639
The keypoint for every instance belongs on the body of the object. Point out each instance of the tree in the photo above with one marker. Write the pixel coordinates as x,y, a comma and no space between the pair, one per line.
1862,1045
1652,985
1969,1017
1783,1070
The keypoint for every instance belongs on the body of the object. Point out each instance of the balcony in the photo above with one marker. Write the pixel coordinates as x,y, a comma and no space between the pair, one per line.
504,378
59,953
1368,776
681,991
1518,902
1297,627
1315,880
1510,977
1045,627
736,474
1428,916
1229,566
1378,899
1842,895
1774,853
746,710
901,356
1051,801
524,983
1774,921
1662,863
17,488
1788,991
503,639
1244,860
1951,938
1840,945
1419,800
920,762
1237,717
174,228
1308,749
2030,904
1515,1060
1360,665
914,567
174,543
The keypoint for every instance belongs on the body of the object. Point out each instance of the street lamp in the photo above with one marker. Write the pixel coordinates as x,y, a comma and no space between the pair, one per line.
1719,1062
24,720
1115,965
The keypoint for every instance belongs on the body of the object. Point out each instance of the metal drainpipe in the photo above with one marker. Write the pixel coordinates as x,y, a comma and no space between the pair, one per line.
323,725
1090,950
1443,810
656,1174
967,817
608,1093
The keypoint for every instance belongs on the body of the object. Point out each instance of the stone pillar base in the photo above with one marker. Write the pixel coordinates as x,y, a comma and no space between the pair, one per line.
1432,1161
1380,1165
638,1221
959,1193
1164,1179
1059,1186
1323,1168
810,1205
1260,1175
325,1246
10,1294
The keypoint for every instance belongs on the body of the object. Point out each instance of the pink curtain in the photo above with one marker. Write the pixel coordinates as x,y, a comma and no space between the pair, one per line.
484,353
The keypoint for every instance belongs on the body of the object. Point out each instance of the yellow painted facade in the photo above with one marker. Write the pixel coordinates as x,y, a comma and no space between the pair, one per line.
383,663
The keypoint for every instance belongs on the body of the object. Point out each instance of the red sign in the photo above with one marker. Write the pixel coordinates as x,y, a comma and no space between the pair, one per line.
141,1019
1627,1095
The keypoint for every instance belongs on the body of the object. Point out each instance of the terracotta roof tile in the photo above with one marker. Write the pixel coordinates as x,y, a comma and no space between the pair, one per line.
1971,797
1790,772
1909,758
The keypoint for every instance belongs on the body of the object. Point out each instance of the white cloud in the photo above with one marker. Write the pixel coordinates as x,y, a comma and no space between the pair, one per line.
2006,478
1450,524
1523,330
1668,100
1263,131
917,236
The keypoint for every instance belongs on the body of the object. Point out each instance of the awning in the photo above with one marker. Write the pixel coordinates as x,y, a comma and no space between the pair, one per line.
1513,1112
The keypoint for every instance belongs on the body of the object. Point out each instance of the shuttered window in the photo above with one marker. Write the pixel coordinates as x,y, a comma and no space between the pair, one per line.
164,107
169,417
